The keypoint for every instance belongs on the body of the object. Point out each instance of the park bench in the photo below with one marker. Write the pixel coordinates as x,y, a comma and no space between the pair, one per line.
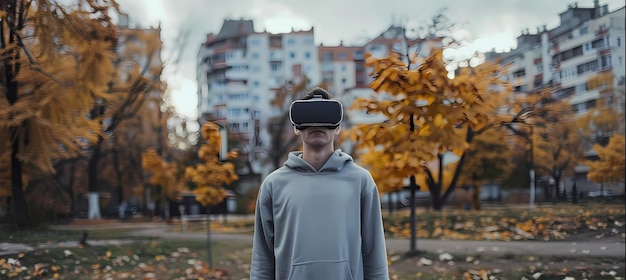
185,219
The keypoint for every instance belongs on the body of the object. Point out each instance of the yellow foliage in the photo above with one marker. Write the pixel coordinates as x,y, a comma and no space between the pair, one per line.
66,58
440,109
211,175
602,79
163,173
602,119
611,163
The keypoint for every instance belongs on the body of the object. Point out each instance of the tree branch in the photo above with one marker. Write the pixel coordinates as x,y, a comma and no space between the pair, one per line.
33,64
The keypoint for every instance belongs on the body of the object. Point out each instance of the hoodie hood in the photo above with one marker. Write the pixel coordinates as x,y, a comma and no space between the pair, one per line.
335,162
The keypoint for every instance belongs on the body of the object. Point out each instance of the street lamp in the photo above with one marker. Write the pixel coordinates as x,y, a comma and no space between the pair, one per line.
532,171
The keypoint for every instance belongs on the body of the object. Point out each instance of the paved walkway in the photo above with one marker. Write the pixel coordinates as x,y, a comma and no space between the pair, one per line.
610,247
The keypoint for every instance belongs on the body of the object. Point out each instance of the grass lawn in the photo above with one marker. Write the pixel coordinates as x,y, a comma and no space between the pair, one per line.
158,258
138,258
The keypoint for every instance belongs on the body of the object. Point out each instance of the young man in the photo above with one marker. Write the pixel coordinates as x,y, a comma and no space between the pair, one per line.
318,217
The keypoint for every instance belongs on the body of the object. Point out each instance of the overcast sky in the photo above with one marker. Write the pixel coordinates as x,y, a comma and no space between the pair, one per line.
489,23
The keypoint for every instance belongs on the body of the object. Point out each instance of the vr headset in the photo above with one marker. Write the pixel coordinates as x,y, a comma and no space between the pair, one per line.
316,112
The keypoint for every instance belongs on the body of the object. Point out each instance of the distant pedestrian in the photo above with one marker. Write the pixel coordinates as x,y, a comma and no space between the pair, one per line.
318,217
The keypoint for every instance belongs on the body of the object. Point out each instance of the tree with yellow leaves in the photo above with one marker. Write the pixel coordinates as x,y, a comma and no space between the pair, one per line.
163,173
138,68
552,136
610,165
599,124
428,116
211,175
56,61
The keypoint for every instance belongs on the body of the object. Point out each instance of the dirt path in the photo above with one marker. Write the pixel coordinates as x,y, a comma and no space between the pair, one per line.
606,247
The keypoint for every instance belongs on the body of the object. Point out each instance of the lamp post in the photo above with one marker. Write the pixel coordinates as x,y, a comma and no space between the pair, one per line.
413,187
222,157
531,202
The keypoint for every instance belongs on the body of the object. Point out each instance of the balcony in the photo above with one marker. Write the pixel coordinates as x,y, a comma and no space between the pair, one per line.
237,74
236,87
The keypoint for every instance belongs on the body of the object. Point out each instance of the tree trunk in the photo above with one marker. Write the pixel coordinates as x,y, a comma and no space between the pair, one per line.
476,196
557,189
437,203
119,176
18,199
11,69
70,189
92,173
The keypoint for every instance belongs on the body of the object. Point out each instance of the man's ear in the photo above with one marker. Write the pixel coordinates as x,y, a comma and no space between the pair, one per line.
296,131
337,130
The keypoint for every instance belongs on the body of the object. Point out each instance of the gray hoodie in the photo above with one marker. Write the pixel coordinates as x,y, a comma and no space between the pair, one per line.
319,225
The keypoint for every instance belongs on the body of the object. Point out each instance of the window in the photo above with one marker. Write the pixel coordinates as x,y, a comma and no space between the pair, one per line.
600,43
307,55
587,67
328,78
519,73
292,55
255,42
255,56
619,41
244,127
234,112
522,88
571,53
327,56
275,67
256,84
584,30
291,41
234,127
238,96
605,61
342,56
581,88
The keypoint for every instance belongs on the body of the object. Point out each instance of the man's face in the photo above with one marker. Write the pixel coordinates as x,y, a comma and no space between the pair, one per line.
318,137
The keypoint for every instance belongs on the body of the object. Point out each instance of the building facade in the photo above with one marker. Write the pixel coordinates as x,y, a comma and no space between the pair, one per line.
589,41
238,73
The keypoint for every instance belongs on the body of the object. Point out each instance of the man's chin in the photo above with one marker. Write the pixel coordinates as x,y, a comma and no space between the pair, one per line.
317,145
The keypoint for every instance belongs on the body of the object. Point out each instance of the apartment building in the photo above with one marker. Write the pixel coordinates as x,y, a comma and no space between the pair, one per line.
587,42
238,73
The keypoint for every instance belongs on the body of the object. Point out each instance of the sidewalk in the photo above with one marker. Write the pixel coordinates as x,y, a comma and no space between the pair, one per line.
613,247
